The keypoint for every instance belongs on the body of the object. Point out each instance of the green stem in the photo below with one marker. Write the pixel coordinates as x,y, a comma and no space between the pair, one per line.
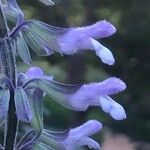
8,68
3,24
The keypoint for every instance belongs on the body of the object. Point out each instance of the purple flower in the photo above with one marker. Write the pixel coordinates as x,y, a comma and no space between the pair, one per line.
31,74
45,39
75,138
80,97
97,94
34,72
79,136
113,108
83,38
37,72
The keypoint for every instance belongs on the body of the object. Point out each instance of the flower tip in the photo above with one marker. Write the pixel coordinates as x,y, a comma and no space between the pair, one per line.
33,72
110,29
102,52
119,83
95,125
123,85
109,62
119,117
106,56
118,113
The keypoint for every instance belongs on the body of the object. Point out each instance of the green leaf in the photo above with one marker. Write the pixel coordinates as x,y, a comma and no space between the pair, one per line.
58,91
53,139
42,146
49,34
11,15
37,109
23,107
35,42
23,49
4,102
27,140
56,135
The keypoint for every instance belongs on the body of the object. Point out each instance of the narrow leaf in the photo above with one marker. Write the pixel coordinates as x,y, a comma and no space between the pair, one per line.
46,34
4,102
49,34
55,90
36,43
10,14
23,49
23,107
27,140
37,109
56,135
42,146
53,139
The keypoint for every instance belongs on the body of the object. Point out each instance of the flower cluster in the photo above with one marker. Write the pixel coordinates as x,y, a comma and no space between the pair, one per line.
33,85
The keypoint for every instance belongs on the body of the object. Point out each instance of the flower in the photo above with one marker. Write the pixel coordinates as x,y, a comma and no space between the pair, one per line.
44,39
80,97
82,38
72,139
76,97
80,136
36,72
97,94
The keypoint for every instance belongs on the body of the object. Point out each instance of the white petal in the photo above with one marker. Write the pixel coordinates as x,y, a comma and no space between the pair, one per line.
103,52
105,104
117,111
113,108
89,142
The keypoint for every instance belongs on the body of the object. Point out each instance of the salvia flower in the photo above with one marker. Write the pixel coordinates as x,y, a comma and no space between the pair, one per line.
97,94
45,39
71,139
76,97
80,97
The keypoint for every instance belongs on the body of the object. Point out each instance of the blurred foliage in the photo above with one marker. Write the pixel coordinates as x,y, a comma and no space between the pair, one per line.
131,48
